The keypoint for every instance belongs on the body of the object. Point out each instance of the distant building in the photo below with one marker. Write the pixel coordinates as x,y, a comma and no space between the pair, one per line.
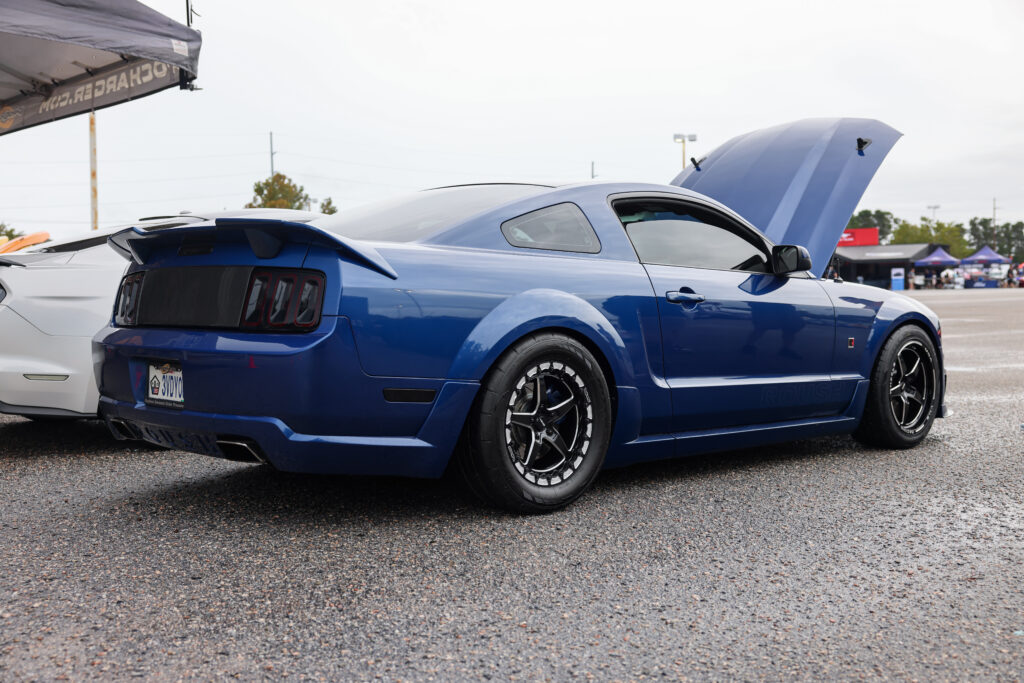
875,263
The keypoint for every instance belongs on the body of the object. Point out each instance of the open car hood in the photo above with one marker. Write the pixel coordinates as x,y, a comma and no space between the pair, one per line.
799,182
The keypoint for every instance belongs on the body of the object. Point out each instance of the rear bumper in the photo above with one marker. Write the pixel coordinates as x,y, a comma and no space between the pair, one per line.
300,402
424,455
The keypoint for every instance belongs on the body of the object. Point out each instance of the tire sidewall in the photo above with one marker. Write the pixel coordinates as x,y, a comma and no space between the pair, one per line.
533,351
880,386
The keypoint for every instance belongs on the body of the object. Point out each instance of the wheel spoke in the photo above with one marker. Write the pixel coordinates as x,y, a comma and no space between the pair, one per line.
902,366
917,366
558,412
558,443
903,401
523,420
896,390
540,393
528,458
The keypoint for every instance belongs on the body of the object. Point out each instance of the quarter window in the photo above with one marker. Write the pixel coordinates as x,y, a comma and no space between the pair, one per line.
562,227
676,234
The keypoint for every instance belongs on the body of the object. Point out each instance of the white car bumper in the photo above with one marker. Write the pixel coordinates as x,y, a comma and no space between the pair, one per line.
42,374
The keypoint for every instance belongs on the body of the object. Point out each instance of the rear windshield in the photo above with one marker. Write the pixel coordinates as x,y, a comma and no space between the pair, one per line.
412,217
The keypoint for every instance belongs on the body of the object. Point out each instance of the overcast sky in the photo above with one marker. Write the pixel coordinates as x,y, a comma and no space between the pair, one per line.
370,99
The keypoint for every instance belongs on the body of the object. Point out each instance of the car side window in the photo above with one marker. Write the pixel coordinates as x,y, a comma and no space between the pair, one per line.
562,227
679,234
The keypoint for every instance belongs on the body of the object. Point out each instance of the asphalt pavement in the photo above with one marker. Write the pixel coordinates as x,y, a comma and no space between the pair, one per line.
812,560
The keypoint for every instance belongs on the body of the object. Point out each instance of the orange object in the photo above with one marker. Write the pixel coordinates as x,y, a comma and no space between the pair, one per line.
25,241
3,238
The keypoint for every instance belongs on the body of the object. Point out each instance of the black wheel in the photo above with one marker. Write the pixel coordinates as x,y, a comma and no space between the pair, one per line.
539,429
904,391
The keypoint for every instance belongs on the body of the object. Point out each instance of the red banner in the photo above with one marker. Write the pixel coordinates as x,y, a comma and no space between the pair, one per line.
859,237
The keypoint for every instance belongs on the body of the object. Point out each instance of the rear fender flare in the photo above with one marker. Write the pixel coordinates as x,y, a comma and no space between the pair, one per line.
532,311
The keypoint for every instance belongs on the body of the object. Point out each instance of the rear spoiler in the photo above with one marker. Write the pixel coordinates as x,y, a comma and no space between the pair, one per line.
266,237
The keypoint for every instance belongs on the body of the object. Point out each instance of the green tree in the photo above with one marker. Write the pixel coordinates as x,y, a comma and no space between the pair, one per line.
278,192
935,232
883,220
909,233
327,206
1006,238
9,232
1009,240
980,232
953,235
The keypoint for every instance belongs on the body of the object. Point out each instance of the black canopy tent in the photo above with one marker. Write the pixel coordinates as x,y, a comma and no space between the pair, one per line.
59,58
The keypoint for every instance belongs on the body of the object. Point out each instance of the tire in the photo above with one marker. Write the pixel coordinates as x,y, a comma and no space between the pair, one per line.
528,455
903,396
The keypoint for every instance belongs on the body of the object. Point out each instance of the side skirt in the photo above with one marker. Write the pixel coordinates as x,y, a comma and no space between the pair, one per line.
662,446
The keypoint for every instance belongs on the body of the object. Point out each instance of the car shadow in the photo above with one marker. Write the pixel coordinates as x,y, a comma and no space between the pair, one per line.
773,455
272,497
22,439
278,498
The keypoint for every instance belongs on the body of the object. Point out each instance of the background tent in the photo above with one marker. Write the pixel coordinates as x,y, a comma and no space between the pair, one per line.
938,259
58,59
985,257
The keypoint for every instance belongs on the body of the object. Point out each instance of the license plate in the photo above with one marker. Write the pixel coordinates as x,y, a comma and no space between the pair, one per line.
166,385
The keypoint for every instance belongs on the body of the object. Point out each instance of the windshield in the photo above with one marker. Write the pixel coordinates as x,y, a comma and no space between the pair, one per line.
411,217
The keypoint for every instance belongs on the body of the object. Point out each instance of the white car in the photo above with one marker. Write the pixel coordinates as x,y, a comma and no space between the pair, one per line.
53,299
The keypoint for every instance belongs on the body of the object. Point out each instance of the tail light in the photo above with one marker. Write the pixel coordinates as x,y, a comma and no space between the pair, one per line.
126,310
274,300
283,300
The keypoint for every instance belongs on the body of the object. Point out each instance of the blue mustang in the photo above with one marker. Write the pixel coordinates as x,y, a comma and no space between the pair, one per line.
537,333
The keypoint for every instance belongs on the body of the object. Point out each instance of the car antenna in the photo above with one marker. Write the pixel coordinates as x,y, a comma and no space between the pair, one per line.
696,163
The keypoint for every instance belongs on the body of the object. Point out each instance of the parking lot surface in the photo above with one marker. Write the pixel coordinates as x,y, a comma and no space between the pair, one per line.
809,560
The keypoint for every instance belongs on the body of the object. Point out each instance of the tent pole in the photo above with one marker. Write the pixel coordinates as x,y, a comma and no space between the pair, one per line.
92,169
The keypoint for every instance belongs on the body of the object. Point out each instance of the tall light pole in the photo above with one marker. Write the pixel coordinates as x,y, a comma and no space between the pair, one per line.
682,138
933,208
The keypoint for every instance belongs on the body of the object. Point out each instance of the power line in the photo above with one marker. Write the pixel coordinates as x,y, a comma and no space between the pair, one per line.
140,159
134,201
381,166
350,180
136,180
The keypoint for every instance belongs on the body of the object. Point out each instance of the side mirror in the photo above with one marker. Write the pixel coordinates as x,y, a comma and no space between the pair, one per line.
790,258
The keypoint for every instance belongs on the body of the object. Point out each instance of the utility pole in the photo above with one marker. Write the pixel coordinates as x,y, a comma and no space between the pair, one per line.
993,236
92,171
271,154
933,208
682,138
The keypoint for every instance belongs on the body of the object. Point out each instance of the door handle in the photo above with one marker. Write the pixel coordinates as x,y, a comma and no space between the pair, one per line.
684,296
